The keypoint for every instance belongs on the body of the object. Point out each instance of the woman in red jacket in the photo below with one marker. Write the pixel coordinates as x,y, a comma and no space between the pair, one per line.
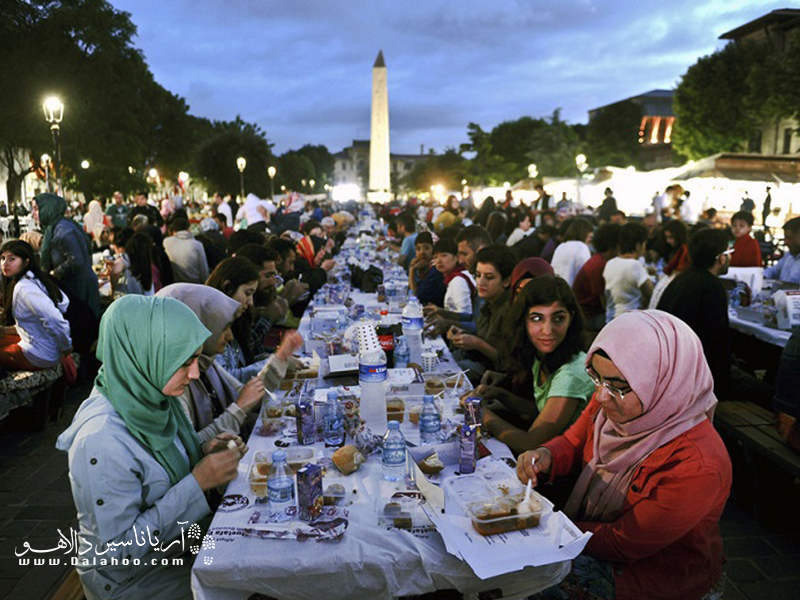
654,474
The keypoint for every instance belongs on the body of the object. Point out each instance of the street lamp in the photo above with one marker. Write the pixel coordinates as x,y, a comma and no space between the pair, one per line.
582,165
241,163
85,164
54,113
46,165
183,177
271,172
311,184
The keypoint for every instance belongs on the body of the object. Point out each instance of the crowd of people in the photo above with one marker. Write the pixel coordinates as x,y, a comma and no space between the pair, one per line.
598,343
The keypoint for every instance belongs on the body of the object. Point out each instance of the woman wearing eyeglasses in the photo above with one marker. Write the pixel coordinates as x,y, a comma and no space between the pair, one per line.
654,474
545,329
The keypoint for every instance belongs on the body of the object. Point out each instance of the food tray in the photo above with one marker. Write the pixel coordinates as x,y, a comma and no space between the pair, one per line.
490,502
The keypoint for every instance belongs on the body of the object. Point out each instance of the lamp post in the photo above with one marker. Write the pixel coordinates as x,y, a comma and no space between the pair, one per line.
54,113
46,164
271,172
311,185
183,177
582,165
241,163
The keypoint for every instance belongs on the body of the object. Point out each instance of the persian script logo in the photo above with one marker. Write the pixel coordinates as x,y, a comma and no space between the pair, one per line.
126,550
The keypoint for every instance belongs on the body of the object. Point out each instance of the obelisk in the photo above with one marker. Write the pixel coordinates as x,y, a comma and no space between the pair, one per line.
379,166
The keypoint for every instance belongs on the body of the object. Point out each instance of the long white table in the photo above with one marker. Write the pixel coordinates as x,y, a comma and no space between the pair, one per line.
368,561
777,337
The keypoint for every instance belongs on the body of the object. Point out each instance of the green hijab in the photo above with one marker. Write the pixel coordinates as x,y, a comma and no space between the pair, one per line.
143,342
51,210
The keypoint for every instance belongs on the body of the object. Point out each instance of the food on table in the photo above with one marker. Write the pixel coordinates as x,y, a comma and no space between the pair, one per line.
395,409
434,385
505,514
348,459
431,465
333,494
399,518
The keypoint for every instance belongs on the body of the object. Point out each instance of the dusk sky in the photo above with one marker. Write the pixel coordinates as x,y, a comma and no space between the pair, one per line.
302,69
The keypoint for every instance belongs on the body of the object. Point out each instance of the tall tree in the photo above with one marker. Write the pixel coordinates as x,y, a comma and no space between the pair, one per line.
215,158
446,169
612,135
323,162
554,147
711,102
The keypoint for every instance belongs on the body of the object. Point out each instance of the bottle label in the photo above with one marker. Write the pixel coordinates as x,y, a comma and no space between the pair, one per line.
370,373
412,323
387,342
280,490
430,423
394,454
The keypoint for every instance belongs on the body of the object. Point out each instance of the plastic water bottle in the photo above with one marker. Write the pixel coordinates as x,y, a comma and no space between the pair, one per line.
333,422
372,379
412,328
280,487
430,422
402,355
412,315
394,453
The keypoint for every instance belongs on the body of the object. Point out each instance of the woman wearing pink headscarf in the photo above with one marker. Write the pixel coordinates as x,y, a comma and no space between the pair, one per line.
655,474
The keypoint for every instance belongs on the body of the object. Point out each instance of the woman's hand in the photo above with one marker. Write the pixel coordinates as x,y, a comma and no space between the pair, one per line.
222,441
492,378
216,469
430,310
291,343
526,470
251,394
465,341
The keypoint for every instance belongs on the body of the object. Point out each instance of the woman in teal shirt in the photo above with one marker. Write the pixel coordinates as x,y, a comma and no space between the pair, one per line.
550,345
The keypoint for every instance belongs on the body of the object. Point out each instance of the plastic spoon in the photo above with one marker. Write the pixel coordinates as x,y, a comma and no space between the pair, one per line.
524,506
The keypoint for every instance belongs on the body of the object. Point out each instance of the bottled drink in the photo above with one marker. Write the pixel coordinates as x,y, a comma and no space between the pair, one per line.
412,328
402,355
385,333
430,423
394,453
280,487
372,379
333,422
412,315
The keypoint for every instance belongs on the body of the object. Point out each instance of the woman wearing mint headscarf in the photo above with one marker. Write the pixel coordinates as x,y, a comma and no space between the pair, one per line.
66,250
135,462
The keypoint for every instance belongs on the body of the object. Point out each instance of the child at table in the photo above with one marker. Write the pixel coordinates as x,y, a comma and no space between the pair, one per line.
746,251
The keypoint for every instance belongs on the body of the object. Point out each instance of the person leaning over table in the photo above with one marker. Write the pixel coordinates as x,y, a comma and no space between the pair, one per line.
544,333
476,353
788,267
654,473
216,401
135,463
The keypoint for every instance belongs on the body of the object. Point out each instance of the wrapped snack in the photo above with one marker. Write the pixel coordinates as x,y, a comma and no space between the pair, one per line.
348,459
431,465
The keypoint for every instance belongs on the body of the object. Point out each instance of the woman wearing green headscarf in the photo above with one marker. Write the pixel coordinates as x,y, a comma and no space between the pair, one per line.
66,250
137,469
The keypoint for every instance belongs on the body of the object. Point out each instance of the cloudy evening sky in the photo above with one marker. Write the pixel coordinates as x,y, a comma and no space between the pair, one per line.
301,69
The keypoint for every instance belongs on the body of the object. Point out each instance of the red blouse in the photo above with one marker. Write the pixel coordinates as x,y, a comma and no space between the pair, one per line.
666,544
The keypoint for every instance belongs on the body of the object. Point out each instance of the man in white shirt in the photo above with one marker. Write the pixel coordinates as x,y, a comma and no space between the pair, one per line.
255,210
223,208
186,254
628,286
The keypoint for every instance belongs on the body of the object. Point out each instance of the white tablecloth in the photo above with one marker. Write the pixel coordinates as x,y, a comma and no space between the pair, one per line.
761,332
368,561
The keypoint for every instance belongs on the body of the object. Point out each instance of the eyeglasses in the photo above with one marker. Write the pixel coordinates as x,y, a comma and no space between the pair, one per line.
598,381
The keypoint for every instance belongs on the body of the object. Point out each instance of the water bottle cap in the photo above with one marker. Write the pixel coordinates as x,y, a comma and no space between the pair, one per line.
427,398
278,455
393,425
333,394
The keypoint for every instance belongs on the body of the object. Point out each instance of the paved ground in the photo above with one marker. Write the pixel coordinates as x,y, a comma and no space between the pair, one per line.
36,502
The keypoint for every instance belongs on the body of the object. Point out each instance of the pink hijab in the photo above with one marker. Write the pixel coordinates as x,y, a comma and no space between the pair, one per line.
662,360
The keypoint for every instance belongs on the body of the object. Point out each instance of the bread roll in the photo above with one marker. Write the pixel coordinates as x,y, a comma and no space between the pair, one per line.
348,459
